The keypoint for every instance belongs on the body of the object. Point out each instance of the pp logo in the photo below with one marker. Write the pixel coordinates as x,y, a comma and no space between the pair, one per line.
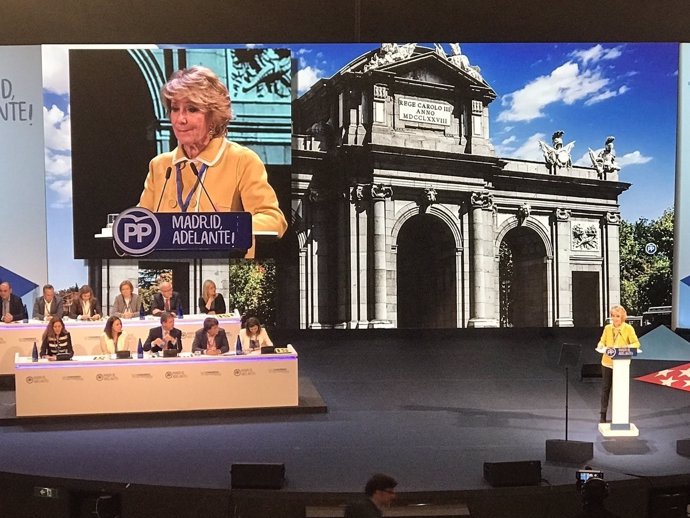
168,375
136,231
237,372
610,352
650,248
99,377
29,379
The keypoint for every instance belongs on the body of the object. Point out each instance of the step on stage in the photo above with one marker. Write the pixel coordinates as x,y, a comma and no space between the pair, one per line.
428,407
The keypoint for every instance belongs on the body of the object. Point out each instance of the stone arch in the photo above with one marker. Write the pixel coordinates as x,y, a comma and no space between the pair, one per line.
442,212
427,267
153,73
525,259
529,222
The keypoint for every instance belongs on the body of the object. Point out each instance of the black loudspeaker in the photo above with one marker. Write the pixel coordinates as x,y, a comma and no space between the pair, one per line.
521,473
571,452
668,505
683,447
257,476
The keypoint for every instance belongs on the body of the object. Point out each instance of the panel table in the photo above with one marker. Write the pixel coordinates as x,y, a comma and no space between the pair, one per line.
101,385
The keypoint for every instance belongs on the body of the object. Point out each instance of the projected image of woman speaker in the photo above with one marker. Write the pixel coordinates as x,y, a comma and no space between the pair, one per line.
206,172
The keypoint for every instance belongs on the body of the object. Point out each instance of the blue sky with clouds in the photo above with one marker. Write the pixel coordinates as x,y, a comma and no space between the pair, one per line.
589,91
63,270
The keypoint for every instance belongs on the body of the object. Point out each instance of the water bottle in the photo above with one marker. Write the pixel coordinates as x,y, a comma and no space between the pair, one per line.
26,315
142,313
179,312
238,345
34,353
140,349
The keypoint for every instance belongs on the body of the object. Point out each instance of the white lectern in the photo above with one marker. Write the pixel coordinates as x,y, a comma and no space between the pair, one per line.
620,425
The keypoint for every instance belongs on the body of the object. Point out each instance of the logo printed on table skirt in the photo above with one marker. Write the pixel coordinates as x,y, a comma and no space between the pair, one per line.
36,379
109,376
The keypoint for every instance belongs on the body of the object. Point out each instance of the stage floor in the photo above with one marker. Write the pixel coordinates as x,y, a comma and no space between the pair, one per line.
427,407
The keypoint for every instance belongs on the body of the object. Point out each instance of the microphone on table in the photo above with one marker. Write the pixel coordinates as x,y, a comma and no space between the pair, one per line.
201,181
167,177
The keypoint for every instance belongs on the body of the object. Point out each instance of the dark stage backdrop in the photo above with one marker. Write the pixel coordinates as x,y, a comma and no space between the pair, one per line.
155,21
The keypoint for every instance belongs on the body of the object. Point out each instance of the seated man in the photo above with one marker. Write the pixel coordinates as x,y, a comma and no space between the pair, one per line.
11,306
164,337
47,306
166,300
210,339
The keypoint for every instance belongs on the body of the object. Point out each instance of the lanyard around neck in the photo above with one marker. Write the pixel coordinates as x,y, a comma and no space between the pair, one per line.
184,204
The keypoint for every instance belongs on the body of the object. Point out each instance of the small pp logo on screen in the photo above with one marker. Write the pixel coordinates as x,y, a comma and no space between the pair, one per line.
136,231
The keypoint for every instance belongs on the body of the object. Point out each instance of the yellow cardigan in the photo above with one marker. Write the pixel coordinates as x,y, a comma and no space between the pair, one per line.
235,179
622,337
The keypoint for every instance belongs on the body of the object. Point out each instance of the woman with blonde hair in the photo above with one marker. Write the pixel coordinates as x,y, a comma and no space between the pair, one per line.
617,334
234,178
127,304
211,302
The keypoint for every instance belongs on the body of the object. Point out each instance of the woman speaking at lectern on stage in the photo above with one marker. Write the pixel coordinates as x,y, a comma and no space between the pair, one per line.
617,334
206,172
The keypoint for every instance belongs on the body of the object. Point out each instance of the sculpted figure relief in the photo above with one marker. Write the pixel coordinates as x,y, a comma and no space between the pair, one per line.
605,161
390,53
557,155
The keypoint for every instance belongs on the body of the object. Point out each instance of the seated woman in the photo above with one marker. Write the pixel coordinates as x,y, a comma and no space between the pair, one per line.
56,340
113,339
127,304
210,339
211,302
253,337
86,306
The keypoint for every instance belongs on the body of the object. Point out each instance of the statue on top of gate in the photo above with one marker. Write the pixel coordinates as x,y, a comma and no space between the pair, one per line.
605,161
390,53
557,156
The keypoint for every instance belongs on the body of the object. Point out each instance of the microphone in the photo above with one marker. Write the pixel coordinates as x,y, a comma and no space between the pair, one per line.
167,177
201,181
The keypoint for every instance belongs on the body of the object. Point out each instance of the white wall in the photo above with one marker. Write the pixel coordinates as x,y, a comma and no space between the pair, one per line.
22,170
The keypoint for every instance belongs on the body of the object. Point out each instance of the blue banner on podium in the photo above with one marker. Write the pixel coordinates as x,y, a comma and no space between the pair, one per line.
138,231
618,353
